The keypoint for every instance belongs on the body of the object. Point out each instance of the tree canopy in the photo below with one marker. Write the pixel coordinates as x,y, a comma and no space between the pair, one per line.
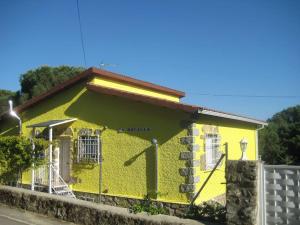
280,140
40,80
37,81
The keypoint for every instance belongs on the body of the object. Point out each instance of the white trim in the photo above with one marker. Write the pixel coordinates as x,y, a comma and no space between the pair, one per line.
63,122
50,161
42,124
230,116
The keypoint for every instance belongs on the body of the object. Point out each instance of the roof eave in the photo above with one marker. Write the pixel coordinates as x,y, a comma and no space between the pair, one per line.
142,98
140,83
231,116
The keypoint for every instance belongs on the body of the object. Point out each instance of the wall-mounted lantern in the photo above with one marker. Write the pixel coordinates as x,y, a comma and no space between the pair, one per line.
243,144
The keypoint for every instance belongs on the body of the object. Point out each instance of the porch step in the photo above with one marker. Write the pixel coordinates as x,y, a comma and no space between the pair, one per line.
62,192
60,186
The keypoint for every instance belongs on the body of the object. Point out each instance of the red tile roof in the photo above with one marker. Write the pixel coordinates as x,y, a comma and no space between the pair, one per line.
87,74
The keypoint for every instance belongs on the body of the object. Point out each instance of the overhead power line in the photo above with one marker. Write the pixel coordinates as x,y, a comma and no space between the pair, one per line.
81,33
244,96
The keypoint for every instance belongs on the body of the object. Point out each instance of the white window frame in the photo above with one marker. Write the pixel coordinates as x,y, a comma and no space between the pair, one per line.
88,148
212,150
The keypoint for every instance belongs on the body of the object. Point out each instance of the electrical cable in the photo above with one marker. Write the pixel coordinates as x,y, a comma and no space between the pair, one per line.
81,33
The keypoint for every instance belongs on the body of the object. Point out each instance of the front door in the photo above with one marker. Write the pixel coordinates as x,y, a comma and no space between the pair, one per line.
64,158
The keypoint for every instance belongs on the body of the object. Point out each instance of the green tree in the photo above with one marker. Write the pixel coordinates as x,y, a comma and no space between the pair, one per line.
16,156
40,80
280,140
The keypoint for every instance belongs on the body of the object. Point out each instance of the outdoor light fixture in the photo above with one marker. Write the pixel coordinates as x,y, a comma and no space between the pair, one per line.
14,114
243,144
154,141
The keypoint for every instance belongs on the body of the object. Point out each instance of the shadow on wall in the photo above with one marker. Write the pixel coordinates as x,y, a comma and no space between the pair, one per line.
150,167
9,126
53,102
115,113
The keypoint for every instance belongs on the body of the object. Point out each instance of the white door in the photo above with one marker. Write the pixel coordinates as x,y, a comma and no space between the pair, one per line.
64,159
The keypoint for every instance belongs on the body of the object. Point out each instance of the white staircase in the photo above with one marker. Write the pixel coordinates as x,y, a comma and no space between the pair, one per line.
59,186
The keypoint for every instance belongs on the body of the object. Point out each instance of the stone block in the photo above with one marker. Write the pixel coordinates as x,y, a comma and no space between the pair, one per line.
193,179
186,155
187,140
193,147
193,131
185,188
193,163
187,171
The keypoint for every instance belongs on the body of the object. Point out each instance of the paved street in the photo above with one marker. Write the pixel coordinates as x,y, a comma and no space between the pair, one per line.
12,216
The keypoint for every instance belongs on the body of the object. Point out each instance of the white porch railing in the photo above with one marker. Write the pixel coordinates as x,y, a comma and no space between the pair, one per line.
59,186
41,176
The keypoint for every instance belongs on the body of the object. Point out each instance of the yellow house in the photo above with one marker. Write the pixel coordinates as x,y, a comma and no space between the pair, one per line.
117,139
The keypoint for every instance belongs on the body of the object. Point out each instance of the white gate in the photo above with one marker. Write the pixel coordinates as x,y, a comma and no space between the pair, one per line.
280,194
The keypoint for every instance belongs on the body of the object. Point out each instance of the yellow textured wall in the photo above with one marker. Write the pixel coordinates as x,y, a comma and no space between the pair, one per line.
231,132
133,89
128,158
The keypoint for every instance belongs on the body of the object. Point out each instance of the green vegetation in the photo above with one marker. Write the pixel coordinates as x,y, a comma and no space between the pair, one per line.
16,156
37,81
208,211
148,206
279,142
42,79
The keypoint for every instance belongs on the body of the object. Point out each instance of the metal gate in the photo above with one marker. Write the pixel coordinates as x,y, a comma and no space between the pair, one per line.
280,196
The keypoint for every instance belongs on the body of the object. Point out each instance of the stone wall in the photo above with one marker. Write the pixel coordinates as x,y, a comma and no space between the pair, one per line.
242,192
81,212
173,209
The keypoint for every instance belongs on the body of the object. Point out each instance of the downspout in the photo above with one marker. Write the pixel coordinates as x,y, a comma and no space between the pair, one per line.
154,142
100,167
256,140
100,161
14,114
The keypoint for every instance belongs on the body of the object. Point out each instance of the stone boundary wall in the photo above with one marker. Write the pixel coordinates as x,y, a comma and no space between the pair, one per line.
242,184
81,212
172,209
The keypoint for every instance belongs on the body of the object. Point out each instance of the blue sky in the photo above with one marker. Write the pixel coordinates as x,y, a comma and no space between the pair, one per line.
200,47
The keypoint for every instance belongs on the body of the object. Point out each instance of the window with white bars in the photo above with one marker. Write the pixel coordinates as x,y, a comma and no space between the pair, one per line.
212,150
88,149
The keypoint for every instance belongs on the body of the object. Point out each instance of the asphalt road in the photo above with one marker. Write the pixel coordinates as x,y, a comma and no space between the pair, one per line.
13,216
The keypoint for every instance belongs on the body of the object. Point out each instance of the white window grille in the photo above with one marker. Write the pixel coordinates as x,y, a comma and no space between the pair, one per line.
88,149
212,149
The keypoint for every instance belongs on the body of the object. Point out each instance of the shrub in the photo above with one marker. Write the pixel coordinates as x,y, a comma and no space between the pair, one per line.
148,206
209,211
16,156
